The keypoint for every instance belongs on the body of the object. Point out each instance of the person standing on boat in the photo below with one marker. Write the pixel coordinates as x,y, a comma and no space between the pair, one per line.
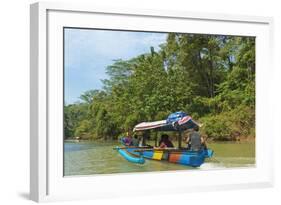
165,141
194,141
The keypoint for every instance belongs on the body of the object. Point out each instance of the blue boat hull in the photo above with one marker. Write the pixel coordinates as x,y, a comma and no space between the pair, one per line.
130,158
184,157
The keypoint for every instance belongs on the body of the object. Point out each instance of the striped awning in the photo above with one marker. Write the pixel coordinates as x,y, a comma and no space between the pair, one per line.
150,125
162,125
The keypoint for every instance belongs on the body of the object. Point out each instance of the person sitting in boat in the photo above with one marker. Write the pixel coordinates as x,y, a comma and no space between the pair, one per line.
194,141
165,141
127,141
135,140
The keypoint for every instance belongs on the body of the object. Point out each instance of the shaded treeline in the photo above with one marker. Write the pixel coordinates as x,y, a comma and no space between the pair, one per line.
211,77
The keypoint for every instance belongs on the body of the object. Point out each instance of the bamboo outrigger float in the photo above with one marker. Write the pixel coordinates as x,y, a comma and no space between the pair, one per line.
179,122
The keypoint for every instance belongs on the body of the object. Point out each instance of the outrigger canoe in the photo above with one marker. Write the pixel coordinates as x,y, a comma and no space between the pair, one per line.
179,155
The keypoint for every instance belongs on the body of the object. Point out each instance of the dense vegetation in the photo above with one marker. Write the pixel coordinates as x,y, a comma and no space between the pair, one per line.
210,77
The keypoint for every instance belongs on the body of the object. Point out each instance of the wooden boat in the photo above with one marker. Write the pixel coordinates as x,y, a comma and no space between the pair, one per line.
179,155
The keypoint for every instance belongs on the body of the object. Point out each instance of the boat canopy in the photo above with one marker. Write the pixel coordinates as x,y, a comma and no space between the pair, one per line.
180,124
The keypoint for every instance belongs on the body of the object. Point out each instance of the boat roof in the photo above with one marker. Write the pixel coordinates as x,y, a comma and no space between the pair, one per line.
184,123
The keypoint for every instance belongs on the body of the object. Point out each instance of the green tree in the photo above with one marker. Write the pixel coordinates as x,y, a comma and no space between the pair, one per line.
211,77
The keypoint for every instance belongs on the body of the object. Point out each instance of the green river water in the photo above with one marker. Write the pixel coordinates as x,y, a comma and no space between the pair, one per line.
89,158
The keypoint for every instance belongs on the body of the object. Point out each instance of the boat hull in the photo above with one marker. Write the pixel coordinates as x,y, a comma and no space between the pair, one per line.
184,157
130,158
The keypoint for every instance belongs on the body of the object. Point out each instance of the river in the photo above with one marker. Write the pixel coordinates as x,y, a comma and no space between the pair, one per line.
90,157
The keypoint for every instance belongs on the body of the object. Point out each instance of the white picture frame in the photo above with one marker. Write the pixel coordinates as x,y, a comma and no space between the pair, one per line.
46,158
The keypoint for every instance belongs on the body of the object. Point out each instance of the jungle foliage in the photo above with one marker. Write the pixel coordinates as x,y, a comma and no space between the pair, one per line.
210,77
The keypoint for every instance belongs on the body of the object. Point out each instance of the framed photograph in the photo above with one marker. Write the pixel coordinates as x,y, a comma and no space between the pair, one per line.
133,102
